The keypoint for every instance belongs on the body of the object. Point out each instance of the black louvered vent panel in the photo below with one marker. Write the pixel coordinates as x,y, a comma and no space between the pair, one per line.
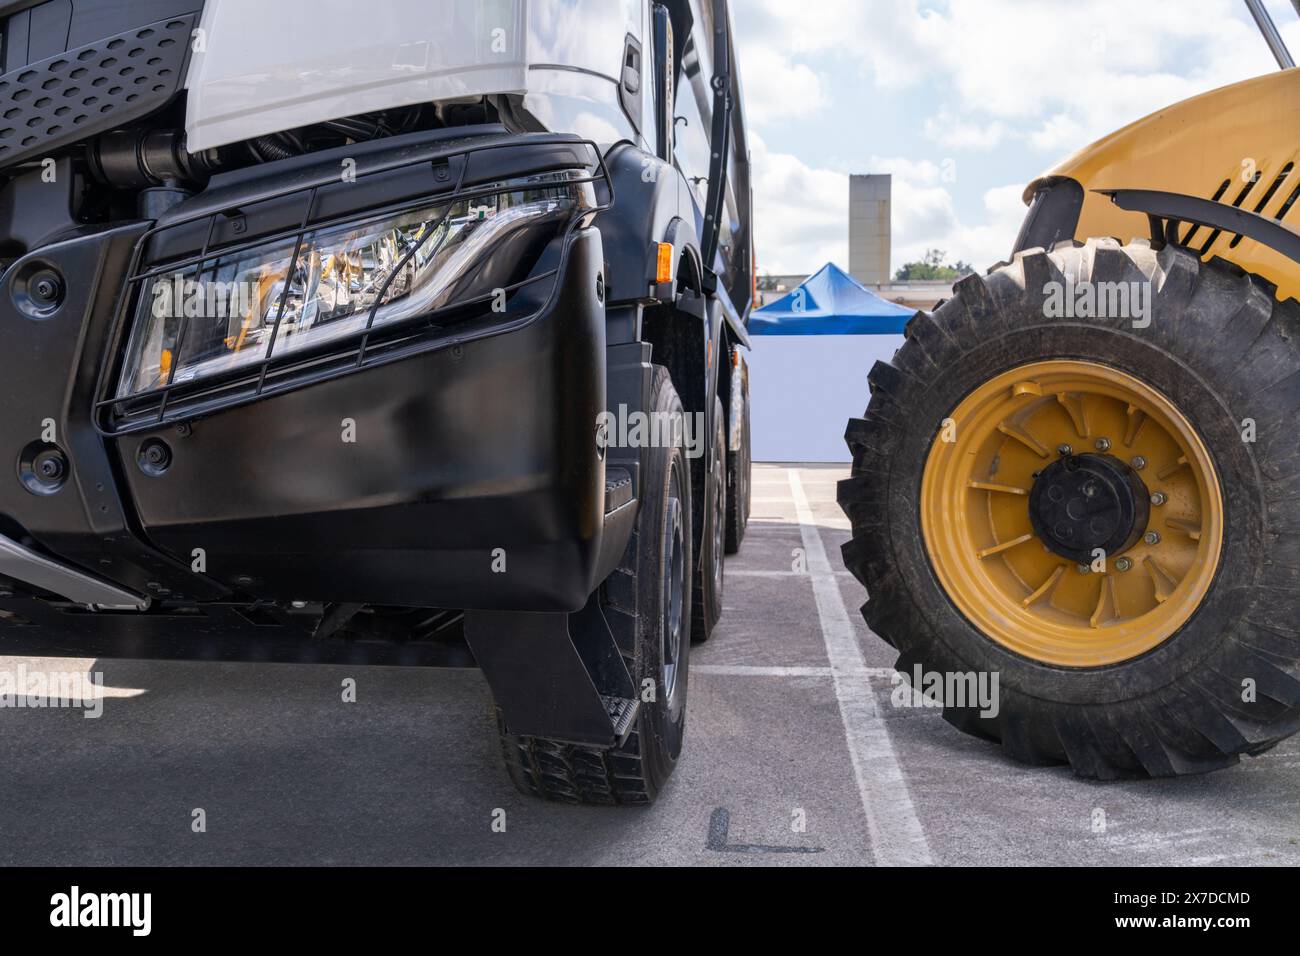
1289,204
99,86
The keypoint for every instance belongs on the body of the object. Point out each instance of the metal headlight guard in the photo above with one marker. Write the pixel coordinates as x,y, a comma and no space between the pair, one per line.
241,321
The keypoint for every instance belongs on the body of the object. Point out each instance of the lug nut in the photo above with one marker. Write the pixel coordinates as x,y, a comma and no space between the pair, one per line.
1139,462
1158,498
1085,569
1152,537
1123,564
1103,444
1065,450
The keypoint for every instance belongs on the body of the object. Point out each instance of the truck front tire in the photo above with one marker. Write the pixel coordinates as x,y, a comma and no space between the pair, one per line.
648,597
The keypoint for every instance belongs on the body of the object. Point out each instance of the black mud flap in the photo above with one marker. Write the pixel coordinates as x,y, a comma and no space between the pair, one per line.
555,675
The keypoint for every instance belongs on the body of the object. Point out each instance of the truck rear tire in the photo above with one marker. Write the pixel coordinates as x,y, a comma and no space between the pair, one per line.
739,469
707,603
647,601
1180,650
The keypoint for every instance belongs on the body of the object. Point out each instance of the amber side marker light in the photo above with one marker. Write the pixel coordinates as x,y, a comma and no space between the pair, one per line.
664,263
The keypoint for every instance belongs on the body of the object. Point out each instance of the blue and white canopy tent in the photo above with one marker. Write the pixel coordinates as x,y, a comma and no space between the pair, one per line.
811,351
830,303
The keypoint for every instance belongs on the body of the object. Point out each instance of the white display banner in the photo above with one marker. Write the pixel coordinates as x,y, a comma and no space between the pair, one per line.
805,388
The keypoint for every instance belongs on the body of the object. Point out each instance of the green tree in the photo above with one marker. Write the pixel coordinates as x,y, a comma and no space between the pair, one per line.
931,267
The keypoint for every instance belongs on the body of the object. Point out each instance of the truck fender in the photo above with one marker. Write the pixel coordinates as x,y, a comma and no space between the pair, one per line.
650,198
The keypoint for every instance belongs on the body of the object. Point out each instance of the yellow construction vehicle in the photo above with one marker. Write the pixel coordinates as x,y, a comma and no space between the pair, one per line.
1082,472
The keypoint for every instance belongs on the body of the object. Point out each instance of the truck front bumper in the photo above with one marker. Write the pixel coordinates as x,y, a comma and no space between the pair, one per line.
463,472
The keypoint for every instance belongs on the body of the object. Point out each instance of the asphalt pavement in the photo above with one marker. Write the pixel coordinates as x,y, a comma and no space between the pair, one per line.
794,756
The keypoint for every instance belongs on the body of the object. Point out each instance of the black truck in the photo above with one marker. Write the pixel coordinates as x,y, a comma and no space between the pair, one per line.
429,357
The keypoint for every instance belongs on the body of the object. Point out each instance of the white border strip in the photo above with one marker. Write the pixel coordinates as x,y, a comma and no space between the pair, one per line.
766,670
778,574
896,835
751,670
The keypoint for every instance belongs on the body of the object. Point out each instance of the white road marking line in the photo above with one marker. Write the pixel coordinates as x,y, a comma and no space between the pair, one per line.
896,835
755,670
747,670
757,573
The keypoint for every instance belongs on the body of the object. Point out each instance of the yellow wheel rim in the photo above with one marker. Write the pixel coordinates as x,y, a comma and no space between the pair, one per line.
1000,572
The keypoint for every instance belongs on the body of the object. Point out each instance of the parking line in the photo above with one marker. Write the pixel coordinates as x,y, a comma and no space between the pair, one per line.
896,835
765,670
761,573
750,670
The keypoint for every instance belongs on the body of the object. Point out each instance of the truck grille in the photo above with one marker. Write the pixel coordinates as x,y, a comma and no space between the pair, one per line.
67,97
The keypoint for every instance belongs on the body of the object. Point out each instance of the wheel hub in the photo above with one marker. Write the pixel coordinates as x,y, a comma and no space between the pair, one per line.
1080,504
1011,516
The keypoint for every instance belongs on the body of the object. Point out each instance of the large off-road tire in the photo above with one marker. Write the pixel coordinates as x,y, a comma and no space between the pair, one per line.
707,602
647,601
739,470
1218,367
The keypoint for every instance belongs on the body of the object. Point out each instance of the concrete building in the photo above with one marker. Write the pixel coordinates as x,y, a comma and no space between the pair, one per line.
773,287
921,294
869,228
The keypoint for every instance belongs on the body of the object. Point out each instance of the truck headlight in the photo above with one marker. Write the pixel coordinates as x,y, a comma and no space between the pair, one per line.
260,302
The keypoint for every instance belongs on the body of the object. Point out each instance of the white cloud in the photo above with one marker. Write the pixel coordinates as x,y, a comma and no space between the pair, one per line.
1024,68
801,213
955,133
1060,134
925,217
777,88
1044,77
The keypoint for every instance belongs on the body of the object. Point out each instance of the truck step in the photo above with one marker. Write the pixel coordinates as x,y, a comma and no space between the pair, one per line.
622,712
618,488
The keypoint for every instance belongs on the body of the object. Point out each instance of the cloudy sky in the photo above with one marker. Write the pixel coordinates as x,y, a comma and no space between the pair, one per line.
963,101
